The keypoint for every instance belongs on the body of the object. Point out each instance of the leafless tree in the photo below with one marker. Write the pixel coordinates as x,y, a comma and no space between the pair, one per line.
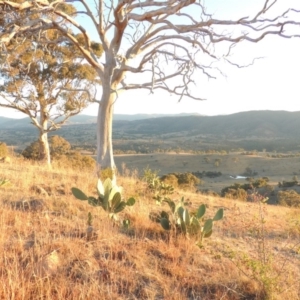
153,45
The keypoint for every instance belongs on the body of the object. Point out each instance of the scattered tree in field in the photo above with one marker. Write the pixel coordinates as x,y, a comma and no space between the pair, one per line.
62,154
166,41
58,146
45,78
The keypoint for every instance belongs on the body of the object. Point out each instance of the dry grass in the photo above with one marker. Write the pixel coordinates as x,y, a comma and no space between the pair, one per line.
44,253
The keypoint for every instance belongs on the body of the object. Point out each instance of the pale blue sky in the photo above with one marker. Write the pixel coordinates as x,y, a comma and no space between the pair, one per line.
272,83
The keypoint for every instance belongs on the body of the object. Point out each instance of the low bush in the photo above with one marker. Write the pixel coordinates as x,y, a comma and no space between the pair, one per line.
287,183
155,185
209,174
235,193
236,186
58,146
289,198
151,178
61,154
181,179
32,151
208,192
260,182
76,161
171,179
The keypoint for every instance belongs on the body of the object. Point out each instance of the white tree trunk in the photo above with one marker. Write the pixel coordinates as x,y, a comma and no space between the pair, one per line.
44,148
105,158
43,138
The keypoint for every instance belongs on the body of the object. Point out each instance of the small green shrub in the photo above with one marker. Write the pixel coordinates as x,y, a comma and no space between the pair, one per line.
151,178
156,186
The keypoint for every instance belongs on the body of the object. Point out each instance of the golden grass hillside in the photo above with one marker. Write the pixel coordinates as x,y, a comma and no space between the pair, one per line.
253,253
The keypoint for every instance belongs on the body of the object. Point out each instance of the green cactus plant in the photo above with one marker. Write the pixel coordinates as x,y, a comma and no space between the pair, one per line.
206,227
180,220
109,198
178,217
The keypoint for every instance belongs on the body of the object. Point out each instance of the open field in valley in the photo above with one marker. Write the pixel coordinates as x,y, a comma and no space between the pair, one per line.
233,164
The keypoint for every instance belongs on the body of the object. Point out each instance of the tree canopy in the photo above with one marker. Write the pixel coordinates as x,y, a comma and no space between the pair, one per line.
45,77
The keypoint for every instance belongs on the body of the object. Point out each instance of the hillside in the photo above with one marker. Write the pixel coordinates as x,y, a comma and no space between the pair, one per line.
8,123
253,130
45,252
262,124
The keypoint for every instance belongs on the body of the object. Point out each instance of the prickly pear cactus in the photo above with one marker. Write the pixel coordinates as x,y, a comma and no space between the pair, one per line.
109,197
181,221
206,229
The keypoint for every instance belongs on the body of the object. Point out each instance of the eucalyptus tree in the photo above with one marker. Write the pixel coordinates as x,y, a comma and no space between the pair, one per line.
46,78
155,45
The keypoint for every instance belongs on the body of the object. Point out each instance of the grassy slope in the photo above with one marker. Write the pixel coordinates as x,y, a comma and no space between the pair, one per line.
44,253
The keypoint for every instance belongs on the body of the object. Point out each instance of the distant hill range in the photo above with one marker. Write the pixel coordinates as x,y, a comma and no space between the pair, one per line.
258,124
85,119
